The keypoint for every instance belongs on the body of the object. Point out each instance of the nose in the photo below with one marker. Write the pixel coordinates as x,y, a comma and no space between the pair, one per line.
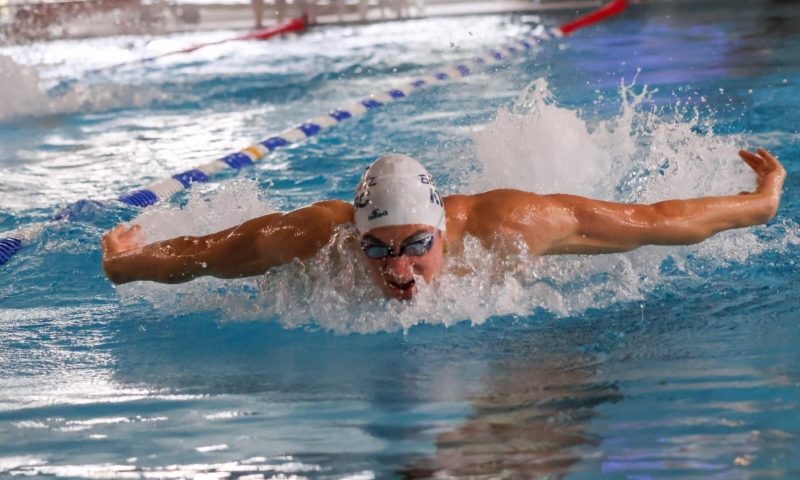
399,267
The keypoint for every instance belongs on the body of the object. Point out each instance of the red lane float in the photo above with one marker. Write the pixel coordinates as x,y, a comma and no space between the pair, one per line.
293,25
602,13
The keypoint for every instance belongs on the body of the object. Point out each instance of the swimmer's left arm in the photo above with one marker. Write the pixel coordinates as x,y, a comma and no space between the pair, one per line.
592,227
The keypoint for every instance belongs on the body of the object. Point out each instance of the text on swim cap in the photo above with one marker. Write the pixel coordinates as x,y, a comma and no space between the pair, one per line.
377,213
427,179
362,193
436,198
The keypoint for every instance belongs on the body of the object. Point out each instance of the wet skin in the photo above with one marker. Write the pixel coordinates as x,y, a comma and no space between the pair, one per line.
547,224
395,275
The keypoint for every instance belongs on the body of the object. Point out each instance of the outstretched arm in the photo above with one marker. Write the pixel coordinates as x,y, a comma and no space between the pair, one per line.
249,249
564,224
601,227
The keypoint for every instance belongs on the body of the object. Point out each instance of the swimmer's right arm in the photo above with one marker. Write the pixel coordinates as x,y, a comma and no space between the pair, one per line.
246,250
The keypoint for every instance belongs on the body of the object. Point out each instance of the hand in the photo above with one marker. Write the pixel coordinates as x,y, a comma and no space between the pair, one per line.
121,239
770,175
769,172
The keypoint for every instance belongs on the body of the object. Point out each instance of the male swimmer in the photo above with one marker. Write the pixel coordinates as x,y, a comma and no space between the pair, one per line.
405,228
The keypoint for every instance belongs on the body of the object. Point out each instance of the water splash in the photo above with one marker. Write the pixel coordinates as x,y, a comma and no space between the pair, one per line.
23,96
639,155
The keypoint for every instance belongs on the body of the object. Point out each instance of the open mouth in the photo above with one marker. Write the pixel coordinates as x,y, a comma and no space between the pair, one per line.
402,289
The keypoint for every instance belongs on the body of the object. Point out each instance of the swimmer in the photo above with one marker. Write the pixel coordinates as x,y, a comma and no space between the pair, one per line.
406,228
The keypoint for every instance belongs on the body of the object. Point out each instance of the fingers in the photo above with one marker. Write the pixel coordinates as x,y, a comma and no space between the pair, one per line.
117,231
771,161
766,155
112,234
131,232
769,171
134,237
110,239
755,162
762,160
752,159
121,238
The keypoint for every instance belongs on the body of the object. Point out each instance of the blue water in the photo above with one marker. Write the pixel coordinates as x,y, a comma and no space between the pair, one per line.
664,362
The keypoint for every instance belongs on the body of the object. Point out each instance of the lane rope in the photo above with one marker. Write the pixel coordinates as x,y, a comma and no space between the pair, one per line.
293,25
165,189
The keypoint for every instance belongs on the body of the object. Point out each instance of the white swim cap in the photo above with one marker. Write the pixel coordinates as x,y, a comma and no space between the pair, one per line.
397,190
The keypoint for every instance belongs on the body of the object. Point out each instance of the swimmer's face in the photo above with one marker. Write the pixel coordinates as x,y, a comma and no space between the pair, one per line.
394,274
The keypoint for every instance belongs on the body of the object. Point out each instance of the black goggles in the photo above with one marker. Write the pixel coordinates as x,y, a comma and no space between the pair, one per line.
418,246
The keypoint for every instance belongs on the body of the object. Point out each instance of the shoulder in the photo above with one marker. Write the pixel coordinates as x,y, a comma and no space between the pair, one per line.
338,211
496,204
317,217
457,210
488,214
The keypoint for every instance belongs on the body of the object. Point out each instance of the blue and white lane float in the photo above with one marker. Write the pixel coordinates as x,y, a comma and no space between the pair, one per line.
9,246
167,188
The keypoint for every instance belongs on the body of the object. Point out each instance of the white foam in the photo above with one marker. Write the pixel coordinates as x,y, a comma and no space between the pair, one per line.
11,463
539,147
22,94
232,203
30,424
640,155
212,448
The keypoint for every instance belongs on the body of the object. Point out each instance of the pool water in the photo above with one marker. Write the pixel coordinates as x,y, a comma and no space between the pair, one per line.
662,362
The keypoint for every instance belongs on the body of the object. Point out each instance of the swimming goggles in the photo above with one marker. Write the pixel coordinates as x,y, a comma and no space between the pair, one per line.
417,246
